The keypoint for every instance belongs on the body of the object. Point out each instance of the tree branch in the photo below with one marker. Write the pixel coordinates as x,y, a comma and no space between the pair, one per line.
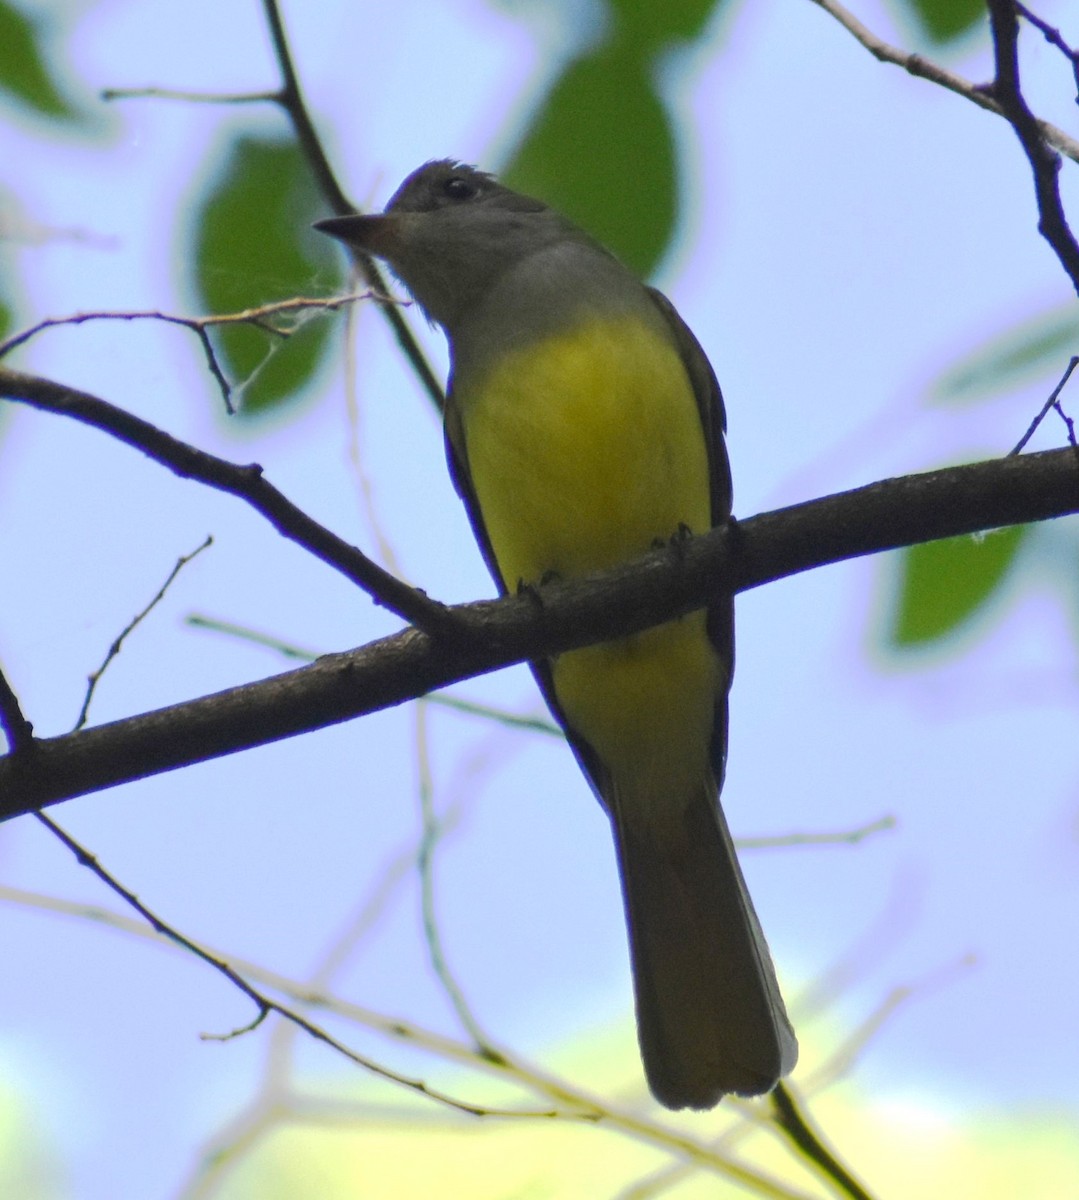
1053,37
796,1126
290,98
668,582
1051,403
14,725
923,68
270,318
1044,161
265,1004
246,482
95,677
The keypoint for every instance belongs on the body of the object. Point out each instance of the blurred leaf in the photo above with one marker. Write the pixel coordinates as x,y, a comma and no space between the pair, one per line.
657,25
10,220
943,584
1033,348
6,321
23,70
601,150
254,244
944,20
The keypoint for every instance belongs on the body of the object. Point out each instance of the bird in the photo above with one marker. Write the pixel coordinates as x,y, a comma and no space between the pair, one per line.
584,424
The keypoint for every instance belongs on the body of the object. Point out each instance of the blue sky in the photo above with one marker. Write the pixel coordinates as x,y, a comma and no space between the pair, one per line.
848,232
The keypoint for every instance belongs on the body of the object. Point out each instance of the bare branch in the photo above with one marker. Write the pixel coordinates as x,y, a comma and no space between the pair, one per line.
574,1104
922,68
470,708
842,837
274,1100
1052,402
290,98
16,728
562,615
264,1004
245,482
1044,161
160,93
797,1127
117,645
260,317
431,835
1053,37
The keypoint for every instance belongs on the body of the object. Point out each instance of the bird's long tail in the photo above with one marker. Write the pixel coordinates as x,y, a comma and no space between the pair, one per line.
710,1016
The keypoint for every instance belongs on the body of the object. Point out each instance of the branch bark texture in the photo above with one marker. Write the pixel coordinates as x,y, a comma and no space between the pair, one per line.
561,616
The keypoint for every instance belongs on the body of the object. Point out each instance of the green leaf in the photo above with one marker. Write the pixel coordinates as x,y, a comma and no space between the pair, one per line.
944,20
23,70
1015,356
944,584
601,150
655,26
253,245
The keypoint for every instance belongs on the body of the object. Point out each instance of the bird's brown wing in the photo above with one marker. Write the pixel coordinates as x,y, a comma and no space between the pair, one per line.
714,422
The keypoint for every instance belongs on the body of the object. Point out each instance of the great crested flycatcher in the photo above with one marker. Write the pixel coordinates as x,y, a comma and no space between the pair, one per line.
584,423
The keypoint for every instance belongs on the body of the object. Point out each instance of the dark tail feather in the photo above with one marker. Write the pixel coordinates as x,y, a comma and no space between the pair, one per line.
710,1017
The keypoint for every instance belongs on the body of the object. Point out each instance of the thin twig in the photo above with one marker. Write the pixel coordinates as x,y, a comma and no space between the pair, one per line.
1069,424
264,1004
841,1061
499,716
290,98
259,317
243,633
16,728
753,1117
94,677
245,482
430,837
561,616
577,1105
1052,402
842,837
1053,37
1044,161
160,93
922,68
354,411
274,1101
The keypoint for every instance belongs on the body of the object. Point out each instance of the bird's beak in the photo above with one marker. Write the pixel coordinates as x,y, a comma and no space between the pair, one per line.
372,233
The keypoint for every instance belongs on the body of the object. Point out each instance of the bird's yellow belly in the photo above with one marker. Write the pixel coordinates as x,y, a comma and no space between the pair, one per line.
584,449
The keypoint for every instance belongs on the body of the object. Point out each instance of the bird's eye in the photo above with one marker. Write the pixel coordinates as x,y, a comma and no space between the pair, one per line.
457,187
